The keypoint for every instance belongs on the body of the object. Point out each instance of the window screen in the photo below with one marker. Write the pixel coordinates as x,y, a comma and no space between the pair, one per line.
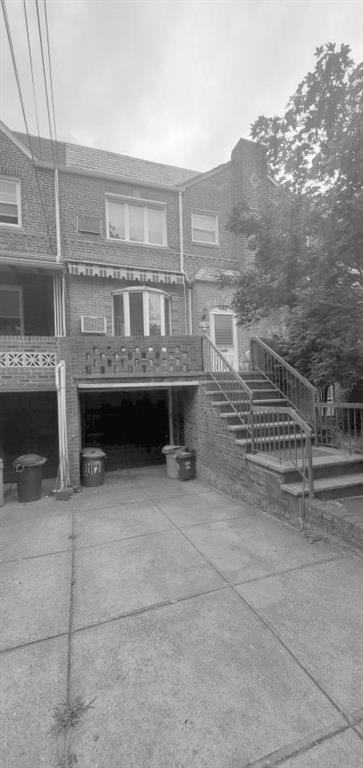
223,330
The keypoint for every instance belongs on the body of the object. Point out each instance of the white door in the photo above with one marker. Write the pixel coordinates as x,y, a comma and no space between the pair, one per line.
223,328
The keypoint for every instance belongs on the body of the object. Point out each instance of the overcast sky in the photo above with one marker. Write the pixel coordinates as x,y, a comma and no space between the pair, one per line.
175,81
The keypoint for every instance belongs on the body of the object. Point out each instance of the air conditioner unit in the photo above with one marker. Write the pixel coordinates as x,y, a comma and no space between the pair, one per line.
92,324
89,224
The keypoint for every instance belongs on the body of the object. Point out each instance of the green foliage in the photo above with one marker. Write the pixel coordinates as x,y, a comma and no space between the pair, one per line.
308,242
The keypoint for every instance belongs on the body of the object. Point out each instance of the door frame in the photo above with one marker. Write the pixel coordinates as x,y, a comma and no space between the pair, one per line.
218,311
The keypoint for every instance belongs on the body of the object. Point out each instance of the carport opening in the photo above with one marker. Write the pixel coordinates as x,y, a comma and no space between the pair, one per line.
131,426
28,424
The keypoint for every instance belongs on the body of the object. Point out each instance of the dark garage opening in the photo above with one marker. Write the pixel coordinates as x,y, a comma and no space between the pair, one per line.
131,427
28,424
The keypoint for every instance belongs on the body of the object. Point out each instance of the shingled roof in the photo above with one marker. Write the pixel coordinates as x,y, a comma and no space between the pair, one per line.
98,161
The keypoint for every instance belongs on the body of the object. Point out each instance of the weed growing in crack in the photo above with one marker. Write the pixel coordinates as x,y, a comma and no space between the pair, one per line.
67,715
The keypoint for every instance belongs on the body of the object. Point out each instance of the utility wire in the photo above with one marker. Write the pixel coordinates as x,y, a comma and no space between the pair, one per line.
45,84
32,74
50,68
5,15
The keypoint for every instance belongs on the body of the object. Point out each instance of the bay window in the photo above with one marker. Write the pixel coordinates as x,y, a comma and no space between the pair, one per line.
141,312
136,221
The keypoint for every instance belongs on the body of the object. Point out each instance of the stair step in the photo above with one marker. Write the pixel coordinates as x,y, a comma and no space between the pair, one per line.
279,439
271,402
330,486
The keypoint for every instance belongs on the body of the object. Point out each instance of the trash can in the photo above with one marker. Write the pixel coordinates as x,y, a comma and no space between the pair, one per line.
170,452
92,467
185,461
29,471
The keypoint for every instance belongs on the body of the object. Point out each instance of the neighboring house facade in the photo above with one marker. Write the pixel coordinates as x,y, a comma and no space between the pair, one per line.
116,266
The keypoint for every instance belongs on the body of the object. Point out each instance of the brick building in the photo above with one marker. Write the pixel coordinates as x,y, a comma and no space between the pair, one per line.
116,266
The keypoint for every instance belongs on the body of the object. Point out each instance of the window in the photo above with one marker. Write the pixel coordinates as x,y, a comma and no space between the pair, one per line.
10,202
136,222
11,310
141,312
205,228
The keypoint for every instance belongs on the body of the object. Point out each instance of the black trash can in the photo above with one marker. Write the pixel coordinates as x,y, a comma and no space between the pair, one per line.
92,467
186,465
29,471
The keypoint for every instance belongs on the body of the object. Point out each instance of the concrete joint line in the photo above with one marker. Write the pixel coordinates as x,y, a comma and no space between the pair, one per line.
32,642
302,567
267,626
34,557
280,756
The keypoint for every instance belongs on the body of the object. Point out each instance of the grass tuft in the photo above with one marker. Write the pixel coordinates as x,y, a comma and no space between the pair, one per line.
67,715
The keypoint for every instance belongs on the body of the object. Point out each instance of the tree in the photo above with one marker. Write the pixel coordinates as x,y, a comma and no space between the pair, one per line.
308,242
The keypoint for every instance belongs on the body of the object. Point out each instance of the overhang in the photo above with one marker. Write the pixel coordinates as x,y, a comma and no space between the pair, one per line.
20,263
127,385
128,274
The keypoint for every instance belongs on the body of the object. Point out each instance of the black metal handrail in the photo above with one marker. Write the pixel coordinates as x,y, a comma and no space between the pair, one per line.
229,381
290,383
288,437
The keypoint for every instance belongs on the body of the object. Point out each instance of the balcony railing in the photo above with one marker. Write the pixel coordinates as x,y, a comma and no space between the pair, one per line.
147,356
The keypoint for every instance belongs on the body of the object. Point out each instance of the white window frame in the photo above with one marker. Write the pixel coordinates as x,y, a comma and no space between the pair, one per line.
211,214
19,290
142,203
18,202
145,290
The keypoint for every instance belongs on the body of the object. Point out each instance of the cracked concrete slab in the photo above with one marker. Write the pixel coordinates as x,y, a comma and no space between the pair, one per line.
254,545
206,507
34,598
197,684
97,526
318,613
123,576
33,529
33,683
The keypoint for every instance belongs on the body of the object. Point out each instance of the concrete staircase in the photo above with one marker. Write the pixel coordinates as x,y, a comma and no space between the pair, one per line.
336,474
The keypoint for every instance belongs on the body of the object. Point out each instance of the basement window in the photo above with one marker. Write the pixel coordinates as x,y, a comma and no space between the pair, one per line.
205,228
136,222
141,312
11,310
10,209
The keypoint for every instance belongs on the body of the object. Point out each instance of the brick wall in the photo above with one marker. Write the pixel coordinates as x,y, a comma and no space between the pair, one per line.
32,237
17,379
221,463
93,296
80,195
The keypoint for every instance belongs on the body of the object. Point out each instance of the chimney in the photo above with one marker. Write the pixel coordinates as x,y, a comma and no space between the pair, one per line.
248,173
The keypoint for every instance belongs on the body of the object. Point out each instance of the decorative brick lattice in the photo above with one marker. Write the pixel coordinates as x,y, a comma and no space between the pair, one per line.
147,358
28,359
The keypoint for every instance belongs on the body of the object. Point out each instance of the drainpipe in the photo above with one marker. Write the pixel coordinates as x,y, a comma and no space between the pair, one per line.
190,310
59,296
57,216
60,382
181,263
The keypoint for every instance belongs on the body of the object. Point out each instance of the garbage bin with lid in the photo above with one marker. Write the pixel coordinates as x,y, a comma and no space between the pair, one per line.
29,471
92,467
170,452
185,461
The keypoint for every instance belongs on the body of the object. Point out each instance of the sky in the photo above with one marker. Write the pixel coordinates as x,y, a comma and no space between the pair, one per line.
174,81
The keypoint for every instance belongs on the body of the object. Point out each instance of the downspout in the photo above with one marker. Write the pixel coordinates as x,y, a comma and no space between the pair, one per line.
181,262
60,293
57,216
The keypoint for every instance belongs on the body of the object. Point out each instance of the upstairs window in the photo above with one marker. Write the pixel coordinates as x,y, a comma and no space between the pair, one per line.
11,310
141,312
205,228
10,202
136,222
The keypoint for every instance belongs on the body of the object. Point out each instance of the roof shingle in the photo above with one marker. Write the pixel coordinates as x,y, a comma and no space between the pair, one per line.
99,161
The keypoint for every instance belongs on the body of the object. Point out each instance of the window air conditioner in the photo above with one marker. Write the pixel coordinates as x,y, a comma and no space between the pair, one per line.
92,324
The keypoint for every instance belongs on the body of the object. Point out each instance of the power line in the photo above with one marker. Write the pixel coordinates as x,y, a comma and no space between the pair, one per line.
50,68
45,84
12,52
32,74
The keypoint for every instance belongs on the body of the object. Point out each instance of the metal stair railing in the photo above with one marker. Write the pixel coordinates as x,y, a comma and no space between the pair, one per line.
287,437
236,391
290,383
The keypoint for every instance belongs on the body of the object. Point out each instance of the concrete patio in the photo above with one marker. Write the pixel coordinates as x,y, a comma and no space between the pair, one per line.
205,633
